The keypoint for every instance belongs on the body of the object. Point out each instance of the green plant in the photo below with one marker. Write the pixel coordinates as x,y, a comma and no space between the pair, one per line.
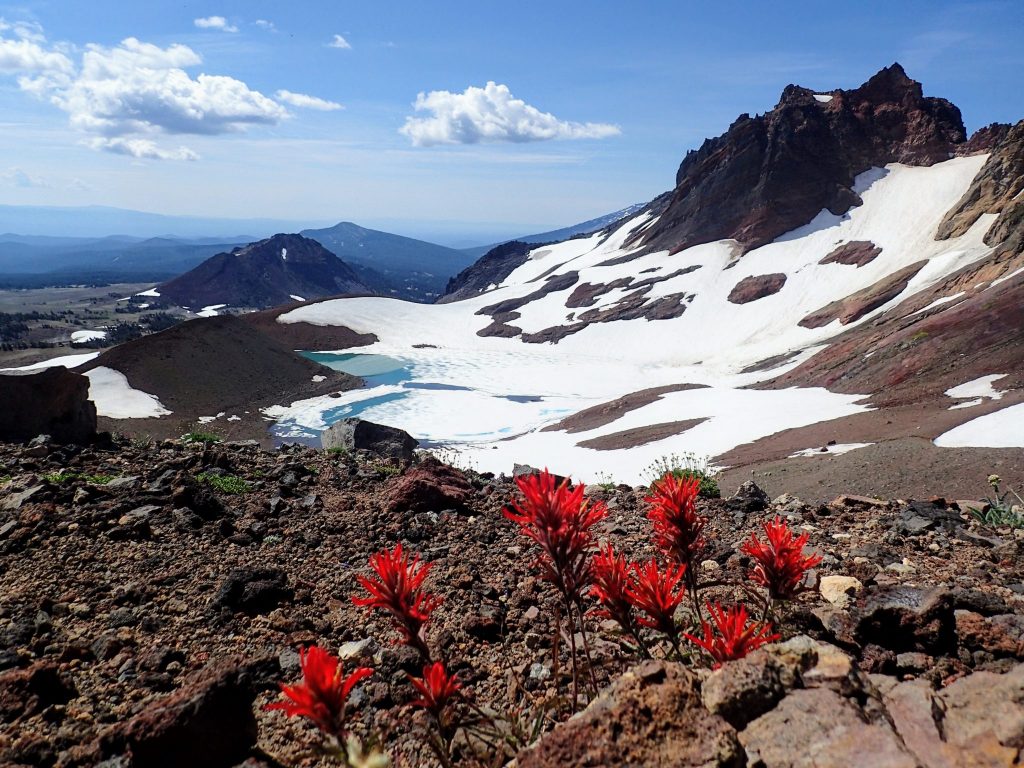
685,466
5,479
1001,509
604,481
206,438
229,484
60,478
338,451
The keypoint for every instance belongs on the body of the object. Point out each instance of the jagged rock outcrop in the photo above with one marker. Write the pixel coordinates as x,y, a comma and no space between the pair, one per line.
490,269
771,173
996,189
53,402
264,274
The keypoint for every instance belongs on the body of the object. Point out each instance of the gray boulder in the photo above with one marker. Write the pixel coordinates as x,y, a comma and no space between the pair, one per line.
360,435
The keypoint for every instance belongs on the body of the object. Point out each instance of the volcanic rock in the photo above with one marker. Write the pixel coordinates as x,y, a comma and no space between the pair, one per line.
54,402
774,172
25,692
756,287
490,269
429,486
361,435
855,252
253,590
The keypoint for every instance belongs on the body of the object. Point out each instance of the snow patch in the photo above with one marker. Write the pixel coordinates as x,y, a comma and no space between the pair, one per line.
151,292
293,297
1002,429
284,254
115,398
318,378
980,388
68,361
78,336
830,450
824,98
210,311
940,302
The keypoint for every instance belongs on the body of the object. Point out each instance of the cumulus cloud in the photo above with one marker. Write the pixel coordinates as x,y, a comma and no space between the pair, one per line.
128,95
215,22
339,42
490,114
264,24
141,148
304,101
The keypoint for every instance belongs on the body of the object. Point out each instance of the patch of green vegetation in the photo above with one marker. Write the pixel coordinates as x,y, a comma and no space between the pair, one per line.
337,451
60,478
387,469
5,479
605,482
684,466
919,336
230,484
206,438
1002,511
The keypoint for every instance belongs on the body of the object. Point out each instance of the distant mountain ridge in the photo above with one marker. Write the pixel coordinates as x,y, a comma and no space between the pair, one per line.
278,270
402,267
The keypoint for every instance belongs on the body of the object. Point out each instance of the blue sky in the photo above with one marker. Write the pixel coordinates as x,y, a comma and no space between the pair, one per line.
614,93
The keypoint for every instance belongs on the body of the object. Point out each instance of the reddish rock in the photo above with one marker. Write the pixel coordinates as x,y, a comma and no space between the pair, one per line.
772,173
651,716
756,287
54,401
26,692
854,253
207,723
858,304
428,487
1001,635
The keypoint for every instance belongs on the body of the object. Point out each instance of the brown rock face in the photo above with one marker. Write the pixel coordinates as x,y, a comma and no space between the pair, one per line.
756,287
431,486
53,402
996,189
772,173
856,305
854,253
651,716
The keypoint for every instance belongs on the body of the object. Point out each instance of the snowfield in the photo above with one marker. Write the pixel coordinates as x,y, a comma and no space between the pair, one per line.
115,398
509,390
79,336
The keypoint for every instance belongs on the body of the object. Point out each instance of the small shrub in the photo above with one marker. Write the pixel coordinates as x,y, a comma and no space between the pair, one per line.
206,438
1002,511
229,484
686,466
60,478
338,451
5,479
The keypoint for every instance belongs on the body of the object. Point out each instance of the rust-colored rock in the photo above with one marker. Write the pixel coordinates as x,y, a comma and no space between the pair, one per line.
651,716
854,253
25,692
756,287
856,305
428,487
54,402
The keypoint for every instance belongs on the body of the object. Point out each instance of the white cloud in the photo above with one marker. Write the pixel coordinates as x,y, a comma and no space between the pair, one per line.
307,102
264,24
340,42
490,114
141,148
215,22
27,55
25,30
21,178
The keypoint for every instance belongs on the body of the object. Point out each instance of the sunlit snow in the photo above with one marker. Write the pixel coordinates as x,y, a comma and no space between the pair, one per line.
1000,429
116,399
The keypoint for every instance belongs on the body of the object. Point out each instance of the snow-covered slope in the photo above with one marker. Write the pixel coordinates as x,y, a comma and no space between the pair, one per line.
501,391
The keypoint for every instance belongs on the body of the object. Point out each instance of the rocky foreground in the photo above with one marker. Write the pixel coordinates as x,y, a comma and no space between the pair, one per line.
152,596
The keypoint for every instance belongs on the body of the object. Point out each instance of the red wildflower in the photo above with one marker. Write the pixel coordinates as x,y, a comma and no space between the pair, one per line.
398,590
559,521
436,688
678,529
731,637
781,563
612,580
657,594
323,692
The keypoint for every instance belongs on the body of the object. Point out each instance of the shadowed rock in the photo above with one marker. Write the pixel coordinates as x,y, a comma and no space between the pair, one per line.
54,401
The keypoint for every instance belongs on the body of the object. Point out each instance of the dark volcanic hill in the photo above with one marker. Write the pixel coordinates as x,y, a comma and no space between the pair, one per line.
393,265
264,274
771,173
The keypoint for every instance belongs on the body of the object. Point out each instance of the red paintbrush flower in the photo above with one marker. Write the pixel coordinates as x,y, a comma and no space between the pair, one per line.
731,637
781,563
559,520
612,579
678,529
323,692
436,688
657,594
398,590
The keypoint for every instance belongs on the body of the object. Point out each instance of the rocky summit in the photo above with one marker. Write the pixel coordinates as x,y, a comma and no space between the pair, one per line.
154,595
279,270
